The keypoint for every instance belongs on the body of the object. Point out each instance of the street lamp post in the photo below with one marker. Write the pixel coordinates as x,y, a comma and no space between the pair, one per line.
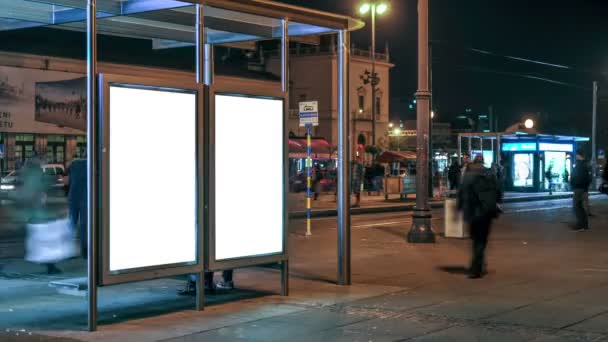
421,231
376,7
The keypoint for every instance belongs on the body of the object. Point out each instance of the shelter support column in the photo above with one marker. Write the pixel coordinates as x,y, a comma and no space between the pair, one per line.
344,262
201,71
285,89
92,164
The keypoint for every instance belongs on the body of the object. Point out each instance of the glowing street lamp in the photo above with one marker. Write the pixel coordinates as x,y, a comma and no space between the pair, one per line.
529,123
375,7
365,7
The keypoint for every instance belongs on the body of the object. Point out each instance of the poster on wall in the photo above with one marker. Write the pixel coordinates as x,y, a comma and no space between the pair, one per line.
159,217
256,227
62,103
523,169
42,101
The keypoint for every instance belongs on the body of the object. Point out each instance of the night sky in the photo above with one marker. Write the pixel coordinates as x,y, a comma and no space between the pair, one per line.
572,33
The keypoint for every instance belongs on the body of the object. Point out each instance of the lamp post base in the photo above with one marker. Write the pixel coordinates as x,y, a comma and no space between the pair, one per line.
421,231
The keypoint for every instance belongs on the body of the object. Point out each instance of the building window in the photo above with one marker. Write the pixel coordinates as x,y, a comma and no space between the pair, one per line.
361,103
378,107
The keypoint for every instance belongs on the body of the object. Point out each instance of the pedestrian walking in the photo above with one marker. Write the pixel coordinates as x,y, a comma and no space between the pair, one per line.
580,182
478,198
317,176
45,240
566,179
549,177
454,175
77,201
357,176
226,284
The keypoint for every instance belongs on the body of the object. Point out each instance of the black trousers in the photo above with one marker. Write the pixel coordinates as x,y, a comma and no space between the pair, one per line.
480,232
580,210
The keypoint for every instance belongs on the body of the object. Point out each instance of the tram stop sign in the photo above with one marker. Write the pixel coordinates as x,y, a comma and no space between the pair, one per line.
309,113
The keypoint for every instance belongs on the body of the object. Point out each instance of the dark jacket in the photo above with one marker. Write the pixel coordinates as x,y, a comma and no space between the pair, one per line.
78,181
581,176
479,193
605,175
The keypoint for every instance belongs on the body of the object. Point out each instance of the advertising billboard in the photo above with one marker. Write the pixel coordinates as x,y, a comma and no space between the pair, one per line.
42,101
152,210
249,181
62,103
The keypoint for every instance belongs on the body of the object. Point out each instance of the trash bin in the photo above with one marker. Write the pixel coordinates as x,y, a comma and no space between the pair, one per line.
454,226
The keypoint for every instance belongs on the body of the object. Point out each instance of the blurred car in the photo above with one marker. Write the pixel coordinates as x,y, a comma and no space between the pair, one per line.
8,181
297,183
53,178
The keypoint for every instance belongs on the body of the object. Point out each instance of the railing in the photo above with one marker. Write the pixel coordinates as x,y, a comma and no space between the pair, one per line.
367,53
329,50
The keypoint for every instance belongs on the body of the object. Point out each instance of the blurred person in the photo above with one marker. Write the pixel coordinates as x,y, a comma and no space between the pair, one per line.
33,203
77,201
478,198
317,176
466,161
580,182
357,176
549,177
226,284
566,179
454,175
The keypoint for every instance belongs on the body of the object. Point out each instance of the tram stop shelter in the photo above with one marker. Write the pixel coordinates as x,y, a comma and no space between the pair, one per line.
527,157
198,227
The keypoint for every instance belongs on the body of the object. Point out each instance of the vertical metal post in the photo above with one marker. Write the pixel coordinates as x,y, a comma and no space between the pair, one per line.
285,89
470,146
593,136
498,149
285,278
92,164
421,231
374,78
200,78
308,178
343,199
481,145
459,149
493,151
285,55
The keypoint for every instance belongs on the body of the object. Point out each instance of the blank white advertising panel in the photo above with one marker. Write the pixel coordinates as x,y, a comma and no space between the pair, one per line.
152,178
248,177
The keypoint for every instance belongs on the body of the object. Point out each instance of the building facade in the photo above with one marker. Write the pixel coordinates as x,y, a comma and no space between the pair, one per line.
313,76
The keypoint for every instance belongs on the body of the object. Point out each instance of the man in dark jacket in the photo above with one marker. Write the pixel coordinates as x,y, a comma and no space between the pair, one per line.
77,200
478,198
580,182
454,175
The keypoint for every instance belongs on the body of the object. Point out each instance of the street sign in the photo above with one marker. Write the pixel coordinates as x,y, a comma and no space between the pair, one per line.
309,113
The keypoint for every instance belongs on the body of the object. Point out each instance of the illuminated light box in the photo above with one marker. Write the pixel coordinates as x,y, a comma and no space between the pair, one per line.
249,178
556,147
519,146
152,208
